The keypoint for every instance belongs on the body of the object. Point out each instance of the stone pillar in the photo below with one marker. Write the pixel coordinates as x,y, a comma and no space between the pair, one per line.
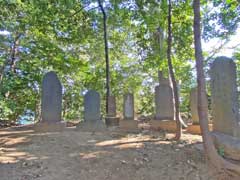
112,106
92,114
51,98
128,107
224,97
164,99
194,106
92,106
111,119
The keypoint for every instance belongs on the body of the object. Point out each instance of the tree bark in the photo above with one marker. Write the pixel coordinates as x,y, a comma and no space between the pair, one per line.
172,75
108,92
211,153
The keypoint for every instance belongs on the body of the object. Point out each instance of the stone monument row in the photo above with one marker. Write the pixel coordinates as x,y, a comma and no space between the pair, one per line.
163,99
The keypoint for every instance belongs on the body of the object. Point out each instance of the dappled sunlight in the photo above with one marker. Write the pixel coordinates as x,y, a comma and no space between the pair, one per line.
13,155
162,142
9,142
15,141
129,142
7,132
124,140
96,154
130,145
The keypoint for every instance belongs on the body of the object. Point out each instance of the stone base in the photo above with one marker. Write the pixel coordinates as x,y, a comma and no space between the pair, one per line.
195,129
167,125
128,125
229,145
49,127
112,121
91,126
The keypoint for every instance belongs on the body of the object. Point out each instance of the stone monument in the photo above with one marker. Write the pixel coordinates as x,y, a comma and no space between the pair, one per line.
111,119
164,99
128,107
194,106
225,107
51,107
164,108
128,123
92,113
92,106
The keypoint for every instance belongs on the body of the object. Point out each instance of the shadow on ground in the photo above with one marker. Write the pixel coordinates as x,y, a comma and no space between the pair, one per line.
74,155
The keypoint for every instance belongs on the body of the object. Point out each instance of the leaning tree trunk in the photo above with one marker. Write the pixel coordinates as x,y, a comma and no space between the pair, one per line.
211,153
172,76
106,54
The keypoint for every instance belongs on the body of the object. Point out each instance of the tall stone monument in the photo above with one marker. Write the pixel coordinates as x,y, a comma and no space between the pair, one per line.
164,109
194,106
112,109
128,107
111,119
225,108
92,113
51,98
128,123
92,106
51,104
164,99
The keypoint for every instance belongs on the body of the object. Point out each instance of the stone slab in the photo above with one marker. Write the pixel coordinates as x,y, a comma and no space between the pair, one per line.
167,125
128,107
194,105
51,107
112,110
164,102
92,106
225,108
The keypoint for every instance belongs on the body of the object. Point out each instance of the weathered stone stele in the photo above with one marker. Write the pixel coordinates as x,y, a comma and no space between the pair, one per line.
111,120
112,106
224,97
128,106
194,106
92,106
164,100
51,98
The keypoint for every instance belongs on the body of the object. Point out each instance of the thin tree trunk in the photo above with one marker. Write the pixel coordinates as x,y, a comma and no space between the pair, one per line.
172,76
106,54
11,60
211,153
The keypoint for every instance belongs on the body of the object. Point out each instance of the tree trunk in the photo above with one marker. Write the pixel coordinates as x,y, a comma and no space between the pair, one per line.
12,58
106,54
211,153
172,76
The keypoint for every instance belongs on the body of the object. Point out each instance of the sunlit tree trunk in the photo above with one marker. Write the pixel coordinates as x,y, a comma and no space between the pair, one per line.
172,76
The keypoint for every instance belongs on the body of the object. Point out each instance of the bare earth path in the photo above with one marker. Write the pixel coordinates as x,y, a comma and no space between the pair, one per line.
74,155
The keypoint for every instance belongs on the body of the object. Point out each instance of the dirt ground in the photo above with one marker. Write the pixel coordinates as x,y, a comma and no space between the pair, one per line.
113,155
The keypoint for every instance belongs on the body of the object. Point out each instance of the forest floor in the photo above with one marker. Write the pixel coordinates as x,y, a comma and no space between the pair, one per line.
113,155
